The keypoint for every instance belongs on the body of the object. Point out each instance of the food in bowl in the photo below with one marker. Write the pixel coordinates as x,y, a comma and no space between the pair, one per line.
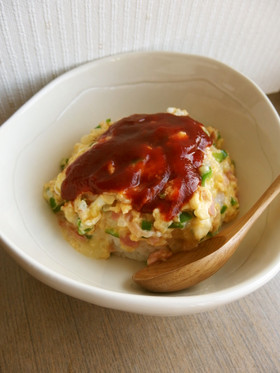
144,187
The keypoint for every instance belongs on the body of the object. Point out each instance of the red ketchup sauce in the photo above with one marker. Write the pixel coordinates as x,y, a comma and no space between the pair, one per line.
153,159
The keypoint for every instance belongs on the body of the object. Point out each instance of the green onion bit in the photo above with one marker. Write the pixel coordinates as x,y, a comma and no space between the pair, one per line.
54,206
112,232
185,217
176,224
223,209
206,175
63,163
233,201
146,225
220,156
81,231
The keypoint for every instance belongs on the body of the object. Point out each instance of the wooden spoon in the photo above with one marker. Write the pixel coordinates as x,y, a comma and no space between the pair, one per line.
185,269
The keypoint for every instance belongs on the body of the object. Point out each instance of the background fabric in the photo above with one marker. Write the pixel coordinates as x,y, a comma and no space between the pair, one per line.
41,39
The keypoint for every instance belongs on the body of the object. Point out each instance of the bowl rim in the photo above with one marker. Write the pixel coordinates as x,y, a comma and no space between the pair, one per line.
139,303
111,58
131,302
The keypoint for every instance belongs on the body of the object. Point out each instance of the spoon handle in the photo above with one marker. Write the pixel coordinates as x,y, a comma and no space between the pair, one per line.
247,220
187,268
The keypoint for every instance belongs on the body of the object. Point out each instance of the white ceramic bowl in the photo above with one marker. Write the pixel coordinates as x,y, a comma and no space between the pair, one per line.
43,131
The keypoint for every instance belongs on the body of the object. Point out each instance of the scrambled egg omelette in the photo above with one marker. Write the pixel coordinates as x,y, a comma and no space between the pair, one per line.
144,187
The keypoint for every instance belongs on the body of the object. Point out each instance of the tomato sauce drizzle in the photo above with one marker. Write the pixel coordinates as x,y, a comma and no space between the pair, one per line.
153,159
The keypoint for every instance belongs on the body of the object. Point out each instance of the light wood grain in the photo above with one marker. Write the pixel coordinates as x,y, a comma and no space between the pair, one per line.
43,330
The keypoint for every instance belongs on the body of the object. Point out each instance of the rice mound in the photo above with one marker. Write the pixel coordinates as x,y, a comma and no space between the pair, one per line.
98,225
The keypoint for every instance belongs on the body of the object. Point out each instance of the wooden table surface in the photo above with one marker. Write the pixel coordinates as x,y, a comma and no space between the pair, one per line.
43,330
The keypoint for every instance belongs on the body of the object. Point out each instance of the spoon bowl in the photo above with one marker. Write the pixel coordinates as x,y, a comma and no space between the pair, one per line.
187,268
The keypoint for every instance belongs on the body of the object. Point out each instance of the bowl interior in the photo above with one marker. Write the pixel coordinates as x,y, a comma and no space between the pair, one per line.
44,131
